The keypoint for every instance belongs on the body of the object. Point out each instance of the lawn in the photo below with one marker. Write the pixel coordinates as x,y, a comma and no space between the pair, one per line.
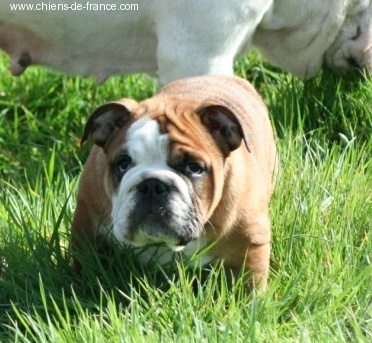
320,287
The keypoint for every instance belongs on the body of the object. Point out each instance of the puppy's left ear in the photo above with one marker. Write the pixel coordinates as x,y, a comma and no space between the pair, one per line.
224,127
105,121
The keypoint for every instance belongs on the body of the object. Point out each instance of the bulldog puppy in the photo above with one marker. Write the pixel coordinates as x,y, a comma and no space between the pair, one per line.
190,166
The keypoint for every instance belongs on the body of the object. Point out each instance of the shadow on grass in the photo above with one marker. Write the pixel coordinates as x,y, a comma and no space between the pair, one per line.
327,107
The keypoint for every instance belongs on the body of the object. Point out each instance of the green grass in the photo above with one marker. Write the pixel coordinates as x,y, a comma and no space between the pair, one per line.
320,287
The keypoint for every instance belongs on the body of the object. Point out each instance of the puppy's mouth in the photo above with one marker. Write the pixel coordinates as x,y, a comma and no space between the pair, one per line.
142,237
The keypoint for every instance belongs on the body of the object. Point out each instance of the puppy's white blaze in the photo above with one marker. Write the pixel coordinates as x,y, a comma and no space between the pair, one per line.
145,144
149,150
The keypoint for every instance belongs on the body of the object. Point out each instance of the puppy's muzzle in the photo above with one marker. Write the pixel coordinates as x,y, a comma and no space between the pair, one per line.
155,216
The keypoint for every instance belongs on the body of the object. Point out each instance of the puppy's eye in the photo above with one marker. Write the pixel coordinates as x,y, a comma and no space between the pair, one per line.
194,168
123,164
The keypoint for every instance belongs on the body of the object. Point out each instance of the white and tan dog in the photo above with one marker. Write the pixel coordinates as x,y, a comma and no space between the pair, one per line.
181,38
190,166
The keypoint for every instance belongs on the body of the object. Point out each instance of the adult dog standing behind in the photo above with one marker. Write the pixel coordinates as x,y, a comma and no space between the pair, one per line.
190,166
181,38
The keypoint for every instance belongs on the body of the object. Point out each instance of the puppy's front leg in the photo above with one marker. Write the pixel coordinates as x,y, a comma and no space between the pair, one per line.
257,265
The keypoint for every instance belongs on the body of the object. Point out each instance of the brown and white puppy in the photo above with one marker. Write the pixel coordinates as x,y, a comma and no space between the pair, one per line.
192,165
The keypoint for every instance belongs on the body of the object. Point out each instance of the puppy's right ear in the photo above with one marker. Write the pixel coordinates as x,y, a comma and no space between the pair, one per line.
105,121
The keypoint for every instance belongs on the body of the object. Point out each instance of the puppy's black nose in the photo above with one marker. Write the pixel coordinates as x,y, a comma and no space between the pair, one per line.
152,187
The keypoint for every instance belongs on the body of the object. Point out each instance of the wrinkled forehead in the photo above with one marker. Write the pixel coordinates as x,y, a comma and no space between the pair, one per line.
156,134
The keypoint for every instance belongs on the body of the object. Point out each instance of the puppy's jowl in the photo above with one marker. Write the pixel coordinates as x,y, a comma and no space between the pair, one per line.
190,166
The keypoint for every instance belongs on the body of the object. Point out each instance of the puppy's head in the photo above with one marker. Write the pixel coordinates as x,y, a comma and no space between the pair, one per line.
353,45
164,166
